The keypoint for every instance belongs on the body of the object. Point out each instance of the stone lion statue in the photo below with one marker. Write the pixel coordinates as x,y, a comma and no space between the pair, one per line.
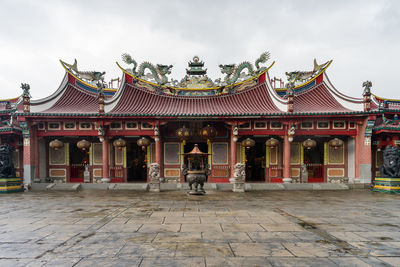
239,174
6,161
154,173
391,162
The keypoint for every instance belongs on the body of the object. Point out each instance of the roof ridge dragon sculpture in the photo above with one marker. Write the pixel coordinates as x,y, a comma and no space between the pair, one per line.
159,71
233,72
92,76
303,76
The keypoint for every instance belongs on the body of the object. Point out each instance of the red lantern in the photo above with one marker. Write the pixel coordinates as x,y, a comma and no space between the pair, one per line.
143,142
335,143
119,143
208,133
183,134
56,144
308,144
83,145
248,143
272,143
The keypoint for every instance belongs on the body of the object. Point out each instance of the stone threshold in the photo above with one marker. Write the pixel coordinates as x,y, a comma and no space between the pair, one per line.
184,186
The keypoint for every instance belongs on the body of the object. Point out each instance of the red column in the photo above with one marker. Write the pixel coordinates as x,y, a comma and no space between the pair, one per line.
106,177
158,155
28,175
36,159
357,152
158,150
233,152
112,162
363,155
286,157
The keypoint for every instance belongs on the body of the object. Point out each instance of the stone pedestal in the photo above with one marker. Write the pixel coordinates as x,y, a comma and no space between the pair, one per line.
388,185
105,180
239,175
11,185
237,186
86,174
154,175
287,180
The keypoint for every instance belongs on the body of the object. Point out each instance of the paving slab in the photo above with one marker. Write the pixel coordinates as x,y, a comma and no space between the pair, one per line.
173,262
256,228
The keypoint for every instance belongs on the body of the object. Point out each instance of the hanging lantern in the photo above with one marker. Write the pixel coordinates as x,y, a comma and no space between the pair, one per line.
248,143
208,133
272,143
83,145
143,142
119,143
56,144
335,143
183,134
309,143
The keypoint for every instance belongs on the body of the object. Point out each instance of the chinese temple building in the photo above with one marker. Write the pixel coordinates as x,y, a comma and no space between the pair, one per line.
88,132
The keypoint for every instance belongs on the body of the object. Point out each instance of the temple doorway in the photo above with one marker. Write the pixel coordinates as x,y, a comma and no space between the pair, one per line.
255,163
78,159
314,159
136,163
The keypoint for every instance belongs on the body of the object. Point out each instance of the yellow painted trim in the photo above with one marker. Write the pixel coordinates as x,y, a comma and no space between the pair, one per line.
388,179
210,152
9,99
148,155
301,153
82,81
10,179
387,187
90,155
182,149
10,187
304,84
192,89
325,153
124,159
267,156
67,153
388,99
243,155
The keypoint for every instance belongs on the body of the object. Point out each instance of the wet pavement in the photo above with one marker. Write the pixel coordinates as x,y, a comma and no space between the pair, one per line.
272,228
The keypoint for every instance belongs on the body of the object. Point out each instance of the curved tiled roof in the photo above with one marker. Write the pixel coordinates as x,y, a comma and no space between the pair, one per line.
74,100
139,101
317,99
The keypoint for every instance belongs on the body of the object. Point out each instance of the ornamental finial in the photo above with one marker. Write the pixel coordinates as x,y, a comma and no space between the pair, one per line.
26,87
367,87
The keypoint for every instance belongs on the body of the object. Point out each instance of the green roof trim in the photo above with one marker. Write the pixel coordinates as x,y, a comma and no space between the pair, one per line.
10,129
284,114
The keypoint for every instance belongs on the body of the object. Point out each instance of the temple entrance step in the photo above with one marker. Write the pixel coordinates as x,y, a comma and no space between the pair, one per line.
185,186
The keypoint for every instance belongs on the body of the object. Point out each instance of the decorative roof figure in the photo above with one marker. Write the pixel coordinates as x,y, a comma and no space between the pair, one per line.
196,67
26,87
196,77
158,73
91,76
367,87
296,77
233,72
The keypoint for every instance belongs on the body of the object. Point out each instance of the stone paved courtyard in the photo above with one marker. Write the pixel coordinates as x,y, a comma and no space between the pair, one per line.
108,228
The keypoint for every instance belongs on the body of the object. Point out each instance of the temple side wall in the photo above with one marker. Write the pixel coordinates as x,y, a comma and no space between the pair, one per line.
364,155
42,159
351,158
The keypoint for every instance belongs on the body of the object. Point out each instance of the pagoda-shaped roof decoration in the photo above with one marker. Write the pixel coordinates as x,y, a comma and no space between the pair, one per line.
196,152
196,67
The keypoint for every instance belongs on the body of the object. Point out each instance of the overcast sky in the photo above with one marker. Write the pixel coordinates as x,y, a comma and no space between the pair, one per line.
362,38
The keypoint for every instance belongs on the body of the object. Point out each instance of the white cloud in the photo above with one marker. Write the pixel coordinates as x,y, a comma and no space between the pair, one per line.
361,36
